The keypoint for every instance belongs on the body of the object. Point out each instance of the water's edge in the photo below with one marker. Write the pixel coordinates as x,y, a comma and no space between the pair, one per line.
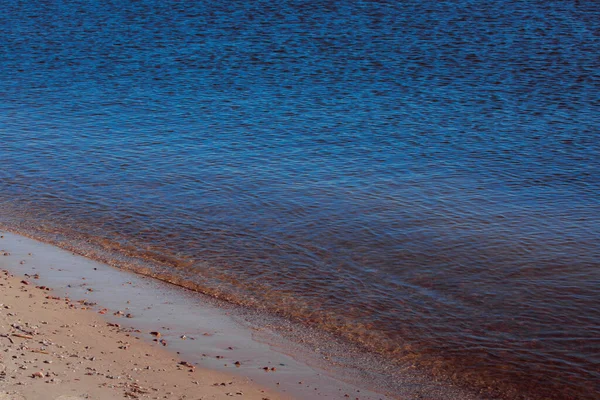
318,358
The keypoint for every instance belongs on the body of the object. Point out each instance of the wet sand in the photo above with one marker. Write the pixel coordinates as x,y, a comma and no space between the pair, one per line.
56,348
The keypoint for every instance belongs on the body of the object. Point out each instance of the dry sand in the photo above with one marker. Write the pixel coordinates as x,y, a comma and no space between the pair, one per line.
58,349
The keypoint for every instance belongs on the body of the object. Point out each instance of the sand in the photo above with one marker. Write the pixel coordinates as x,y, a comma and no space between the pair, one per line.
217,334
55,348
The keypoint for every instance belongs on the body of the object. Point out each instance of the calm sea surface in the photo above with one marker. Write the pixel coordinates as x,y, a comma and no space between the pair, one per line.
419,177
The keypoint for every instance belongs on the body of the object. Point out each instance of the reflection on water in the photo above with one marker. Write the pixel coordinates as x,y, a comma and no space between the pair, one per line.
419,178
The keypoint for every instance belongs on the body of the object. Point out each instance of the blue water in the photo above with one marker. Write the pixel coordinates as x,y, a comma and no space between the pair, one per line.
421,178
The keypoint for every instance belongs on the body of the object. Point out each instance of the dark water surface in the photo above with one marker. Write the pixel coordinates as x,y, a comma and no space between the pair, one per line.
422,178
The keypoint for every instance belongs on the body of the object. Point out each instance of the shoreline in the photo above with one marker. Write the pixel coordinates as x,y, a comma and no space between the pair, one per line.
213,340
217,334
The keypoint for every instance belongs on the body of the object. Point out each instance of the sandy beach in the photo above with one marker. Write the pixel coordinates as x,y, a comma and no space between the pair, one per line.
57,348
72,326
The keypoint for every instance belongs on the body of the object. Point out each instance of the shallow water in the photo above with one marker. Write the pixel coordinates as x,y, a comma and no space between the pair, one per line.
422,179
214,337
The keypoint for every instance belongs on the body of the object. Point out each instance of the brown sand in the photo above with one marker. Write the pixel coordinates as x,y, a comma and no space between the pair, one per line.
57,349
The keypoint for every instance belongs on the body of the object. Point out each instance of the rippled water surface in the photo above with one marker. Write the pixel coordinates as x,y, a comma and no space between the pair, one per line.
422,178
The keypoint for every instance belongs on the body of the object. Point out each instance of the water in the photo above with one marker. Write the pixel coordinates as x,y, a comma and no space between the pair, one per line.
420,178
